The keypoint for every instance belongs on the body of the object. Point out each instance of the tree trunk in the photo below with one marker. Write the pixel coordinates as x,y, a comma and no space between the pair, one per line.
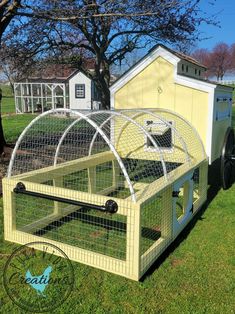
105,98
102,84
2,138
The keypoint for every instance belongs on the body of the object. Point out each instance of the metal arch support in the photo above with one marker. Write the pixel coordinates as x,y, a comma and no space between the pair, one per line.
94,137
112,148
187,122
168,124
140,127
21,137
63,137
103,124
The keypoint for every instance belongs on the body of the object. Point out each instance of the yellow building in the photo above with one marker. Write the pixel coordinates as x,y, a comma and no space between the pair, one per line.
170,80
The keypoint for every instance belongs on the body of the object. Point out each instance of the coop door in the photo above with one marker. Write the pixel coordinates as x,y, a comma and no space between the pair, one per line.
182,202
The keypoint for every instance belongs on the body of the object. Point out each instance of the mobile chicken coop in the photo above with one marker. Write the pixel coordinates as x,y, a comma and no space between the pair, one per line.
114,188
103,188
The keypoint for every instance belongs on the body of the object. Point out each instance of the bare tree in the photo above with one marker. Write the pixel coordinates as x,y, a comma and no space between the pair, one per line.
7,12
105,31
8,9
108,31
219,61
16,64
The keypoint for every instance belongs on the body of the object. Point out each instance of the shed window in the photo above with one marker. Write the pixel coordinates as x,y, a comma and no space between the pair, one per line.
79,90
162,137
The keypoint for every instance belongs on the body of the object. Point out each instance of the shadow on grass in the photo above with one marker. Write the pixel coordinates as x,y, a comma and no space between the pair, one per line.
215,185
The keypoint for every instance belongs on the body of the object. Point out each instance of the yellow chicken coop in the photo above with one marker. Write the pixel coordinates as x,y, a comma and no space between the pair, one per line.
113,189
171,80
100,187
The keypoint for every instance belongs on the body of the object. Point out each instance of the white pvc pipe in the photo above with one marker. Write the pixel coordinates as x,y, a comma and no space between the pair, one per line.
187,122
112,148
63,137
143,130
168,124
21,137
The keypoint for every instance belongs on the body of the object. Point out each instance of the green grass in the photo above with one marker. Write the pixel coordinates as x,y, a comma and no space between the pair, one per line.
6,90
14,125
8,101
8,105
196,276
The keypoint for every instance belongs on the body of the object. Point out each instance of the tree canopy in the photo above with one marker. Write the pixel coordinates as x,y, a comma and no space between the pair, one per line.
219,60
105,31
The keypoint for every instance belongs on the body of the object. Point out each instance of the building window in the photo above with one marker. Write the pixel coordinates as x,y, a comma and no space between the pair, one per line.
161,134
199,72
187,68
195,71
79,90
183,67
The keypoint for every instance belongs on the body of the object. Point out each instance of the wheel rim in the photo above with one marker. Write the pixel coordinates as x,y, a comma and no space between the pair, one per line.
227,163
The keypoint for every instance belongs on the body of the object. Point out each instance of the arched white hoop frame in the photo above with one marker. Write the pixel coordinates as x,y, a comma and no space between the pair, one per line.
112,148
130,120
143,111
187,122
112,113
136,112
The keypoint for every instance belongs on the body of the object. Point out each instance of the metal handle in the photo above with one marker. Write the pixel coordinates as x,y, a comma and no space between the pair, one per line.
110,206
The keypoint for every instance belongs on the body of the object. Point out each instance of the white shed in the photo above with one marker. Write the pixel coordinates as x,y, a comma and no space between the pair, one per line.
38,94
83,94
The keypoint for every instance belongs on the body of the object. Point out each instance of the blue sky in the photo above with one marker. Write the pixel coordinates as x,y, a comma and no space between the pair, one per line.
226,17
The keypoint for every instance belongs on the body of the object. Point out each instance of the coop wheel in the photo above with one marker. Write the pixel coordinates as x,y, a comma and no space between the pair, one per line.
227,159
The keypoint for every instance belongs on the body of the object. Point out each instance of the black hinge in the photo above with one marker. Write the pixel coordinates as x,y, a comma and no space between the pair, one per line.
175,193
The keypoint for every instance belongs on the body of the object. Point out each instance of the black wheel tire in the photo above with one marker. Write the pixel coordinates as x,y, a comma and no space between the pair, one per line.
227,164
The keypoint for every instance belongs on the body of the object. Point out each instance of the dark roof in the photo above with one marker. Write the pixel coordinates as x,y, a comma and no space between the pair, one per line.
35,79
179,55
56,73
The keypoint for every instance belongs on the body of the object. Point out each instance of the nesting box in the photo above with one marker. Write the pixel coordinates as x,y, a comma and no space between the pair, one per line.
112,189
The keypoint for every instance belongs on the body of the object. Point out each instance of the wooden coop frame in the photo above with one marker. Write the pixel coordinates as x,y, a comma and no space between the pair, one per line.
124,203
40,96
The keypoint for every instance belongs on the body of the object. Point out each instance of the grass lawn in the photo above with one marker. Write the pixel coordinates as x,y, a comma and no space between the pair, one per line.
195,275
14,125
8,101
8,105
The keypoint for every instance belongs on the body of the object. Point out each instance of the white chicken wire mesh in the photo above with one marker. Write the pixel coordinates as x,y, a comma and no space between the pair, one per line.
131,157
81,227
145,145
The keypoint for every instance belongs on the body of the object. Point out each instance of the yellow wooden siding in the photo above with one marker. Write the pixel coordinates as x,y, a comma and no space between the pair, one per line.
166,86
154,87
